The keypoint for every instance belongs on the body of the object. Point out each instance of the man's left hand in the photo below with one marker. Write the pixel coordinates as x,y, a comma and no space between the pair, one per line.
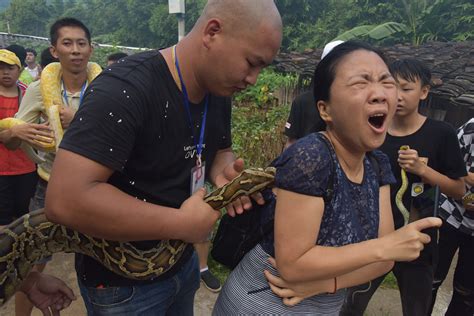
231,171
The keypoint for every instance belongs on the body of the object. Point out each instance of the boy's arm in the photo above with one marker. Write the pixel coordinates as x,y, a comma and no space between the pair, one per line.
469,179
452,187
411,162
29,111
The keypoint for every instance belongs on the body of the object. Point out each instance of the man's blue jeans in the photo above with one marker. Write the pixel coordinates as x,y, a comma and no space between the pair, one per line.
173,296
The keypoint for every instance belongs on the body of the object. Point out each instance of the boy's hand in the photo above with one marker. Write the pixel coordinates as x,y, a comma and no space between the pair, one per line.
410,161
66,114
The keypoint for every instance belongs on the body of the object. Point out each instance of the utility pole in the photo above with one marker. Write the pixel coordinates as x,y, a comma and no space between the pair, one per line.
178,7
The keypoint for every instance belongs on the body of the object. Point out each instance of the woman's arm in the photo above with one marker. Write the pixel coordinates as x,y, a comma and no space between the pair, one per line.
373,270
297,221
369,272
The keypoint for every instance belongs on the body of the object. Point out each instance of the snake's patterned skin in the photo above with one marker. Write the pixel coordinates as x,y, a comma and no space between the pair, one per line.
401,192
32,237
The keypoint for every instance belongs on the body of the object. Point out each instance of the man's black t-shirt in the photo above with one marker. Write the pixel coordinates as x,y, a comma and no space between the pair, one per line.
304,118
134,121
436,141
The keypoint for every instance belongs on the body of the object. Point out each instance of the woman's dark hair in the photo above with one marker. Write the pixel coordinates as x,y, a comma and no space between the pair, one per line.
67,22
325,72
411,69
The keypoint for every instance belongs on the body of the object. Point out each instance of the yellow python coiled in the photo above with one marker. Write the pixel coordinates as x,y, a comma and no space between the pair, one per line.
401,192
32,237
50,86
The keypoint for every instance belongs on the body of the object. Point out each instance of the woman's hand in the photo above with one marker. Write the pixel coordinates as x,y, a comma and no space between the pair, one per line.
293,293
406,243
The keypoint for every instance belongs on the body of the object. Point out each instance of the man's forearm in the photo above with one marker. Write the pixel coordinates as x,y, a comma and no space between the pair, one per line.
104,211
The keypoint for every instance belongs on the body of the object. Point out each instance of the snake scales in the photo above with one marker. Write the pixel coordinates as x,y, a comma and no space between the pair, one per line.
32,237
401,192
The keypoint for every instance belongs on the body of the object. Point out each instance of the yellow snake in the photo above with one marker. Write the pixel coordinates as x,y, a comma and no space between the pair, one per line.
401,192
32,237
50,86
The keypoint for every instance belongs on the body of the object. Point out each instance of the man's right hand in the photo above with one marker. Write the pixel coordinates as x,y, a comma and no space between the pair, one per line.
199,216
406,243
33,133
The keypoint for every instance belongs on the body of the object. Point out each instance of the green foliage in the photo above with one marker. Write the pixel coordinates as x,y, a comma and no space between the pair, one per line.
263,92
390,282
307,23
376,32
258,133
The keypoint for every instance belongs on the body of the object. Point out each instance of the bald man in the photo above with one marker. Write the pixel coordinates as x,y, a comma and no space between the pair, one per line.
150,131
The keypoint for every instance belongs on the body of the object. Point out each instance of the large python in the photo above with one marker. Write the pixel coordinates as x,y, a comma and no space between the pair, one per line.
32,237
50,86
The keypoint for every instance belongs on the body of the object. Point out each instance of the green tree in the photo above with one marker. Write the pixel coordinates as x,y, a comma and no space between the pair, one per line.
27,16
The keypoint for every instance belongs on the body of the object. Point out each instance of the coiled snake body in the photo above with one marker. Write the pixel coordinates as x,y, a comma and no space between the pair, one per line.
32,237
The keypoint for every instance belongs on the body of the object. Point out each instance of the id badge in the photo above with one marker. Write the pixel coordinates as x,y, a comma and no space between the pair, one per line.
198,174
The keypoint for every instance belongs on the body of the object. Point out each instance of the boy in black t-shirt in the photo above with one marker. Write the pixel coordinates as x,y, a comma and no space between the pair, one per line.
433,159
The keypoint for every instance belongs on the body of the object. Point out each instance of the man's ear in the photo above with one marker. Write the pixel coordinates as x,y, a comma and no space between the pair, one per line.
324,111
213,27
424,92
52,50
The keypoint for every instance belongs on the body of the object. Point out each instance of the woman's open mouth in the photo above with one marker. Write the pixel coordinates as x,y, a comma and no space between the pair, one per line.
377,121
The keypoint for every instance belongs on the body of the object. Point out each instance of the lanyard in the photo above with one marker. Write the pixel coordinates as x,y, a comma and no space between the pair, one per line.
81,96
186,105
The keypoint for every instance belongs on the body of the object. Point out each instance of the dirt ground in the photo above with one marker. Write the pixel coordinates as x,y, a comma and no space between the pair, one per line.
386,302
